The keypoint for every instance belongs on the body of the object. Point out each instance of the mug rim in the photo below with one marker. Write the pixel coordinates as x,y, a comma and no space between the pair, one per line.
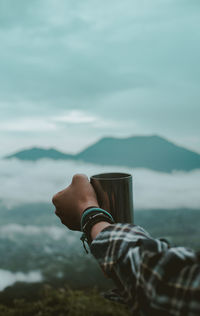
111,176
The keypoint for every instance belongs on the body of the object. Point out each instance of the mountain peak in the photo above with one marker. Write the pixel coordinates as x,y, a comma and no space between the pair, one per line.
151,152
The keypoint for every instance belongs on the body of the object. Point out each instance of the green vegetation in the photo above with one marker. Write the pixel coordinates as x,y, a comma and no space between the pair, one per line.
64,301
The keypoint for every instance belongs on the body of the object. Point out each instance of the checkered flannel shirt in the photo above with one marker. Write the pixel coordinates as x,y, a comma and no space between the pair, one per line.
152,277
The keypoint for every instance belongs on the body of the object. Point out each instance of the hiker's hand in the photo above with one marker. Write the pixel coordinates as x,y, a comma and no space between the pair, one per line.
72,201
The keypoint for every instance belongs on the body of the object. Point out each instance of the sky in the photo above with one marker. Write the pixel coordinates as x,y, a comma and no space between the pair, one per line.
72,72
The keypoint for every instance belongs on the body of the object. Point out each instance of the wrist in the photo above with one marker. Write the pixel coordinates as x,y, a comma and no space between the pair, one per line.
84,206
97,228
90,218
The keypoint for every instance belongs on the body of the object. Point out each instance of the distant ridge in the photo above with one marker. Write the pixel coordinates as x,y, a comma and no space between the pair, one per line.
151,152
37,153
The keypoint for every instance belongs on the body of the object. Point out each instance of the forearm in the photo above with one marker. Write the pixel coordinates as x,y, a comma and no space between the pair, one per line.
148,271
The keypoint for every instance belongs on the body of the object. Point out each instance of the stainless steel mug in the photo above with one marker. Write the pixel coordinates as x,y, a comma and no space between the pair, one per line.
115,195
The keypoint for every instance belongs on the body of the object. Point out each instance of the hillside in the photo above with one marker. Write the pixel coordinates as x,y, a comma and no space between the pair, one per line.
45,300
151,152
36,153
38,242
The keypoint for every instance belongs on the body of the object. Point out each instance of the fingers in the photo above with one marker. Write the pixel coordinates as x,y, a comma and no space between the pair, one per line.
73,200
80,178
77,179
56,198
57,213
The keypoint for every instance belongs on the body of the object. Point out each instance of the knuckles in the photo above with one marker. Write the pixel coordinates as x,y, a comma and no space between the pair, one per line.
79,177
55,199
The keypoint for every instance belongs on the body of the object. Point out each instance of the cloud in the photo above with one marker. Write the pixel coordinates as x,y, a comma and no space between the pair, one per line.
8,278
160,190
52,123
28,125
131,62
76,117
23,233
53,232
88,50
29,182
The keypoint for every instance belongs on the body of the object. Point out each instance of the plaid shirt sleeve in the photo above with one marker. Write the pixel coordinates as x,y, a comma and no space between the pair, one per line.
153,278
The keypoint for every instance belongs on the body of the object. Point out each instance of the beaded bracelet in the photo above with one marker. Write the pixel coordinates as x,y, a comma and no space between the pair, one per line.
90,217
88,211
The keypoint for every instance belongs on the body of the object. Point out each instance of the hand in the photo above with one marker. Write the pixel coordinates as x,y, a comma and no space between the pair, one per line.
72,201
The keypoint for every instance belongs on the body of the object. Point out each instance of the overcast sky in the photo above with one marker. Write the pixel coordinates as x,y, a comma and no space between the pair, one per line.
72,71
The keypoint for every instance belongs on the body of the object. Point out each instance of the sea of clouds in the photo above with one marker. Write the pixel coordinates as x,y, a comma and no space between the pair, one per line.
29,182
8,278
34,182
52,232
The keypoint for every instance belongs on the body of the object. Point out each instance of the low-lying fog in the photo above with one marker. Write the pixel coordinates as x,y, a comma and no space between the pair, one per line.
27,182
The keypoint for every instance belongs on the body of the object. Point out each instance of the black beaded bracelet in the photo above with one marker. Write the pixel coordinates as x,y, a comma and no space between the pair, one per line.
90,211
92,218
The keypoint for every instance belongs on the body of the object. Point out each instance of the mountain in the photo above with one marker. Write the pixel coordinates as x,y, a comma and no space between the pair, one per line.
152,152
39,153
